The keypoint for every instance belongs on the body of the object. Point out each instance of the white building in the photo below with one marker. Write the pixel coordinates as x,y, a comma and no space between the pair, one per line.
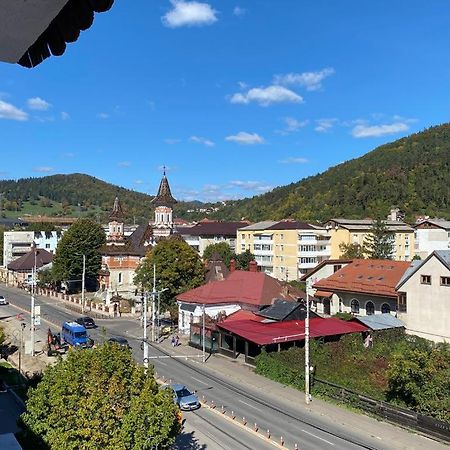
431,235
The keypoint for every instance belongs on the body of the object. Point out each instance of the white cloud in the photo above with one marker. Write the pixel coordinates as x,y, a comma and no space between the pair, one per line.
293,124
189,13
43,169
242,85
138,182
245,138
11,112
103,116
325,125
363,131
124,164
202,140
254,186
312,81
293,160
238,11
266,96
38,104
65,116
171,141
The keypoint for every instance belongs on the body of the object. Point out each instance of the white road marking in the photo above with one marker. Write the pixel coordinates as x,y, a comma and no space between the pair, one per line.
200,381
322,439
248,404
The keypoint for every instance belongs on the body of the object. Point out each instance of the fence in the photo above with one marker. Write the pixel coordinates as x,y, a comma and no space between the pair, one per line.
392,413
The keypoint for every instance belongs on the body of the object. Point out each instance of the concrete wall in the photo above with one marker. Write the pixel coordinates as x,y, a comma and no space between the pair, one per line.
430,239
342,303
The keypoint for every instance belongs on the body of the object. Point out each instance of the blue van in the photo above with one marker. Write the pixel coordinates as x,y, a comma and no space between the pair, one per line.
75,335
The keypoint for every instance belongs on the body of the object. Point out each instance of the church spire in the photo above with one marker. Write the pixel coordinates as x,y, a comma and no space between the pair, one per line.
117,212
115,226
164,196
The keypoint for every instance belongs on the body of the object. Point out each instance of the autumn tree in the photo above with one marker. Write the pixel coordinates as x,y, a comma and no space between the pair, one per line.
379,244
99,398
223,249
178,269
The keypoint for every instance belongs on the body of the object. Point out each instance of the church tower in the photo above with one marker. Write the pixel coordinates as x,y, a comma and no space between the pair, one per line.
163,224
115,227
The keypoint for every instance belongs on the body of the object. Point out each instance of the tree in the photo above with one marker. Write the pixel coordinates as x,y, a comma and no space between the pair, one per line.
351,251
178,269
99,398
379,244
243,260
223,249
84,237
2,237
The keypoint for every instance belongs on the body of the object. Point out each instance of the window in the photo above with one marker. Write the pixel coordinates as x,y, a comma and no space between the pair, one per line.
425,279
243,247
47,245
385,308
282,236
337,267
445,281
120,277
355,306
401,303
370,308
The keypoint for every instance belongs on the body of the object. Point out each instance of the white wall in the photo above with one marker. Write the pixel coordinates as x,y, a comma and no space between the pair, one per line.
430,239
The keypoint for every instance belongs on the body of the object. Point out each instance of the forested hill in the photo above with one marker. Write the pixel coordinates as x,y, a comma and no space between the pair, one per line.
412,173
74,194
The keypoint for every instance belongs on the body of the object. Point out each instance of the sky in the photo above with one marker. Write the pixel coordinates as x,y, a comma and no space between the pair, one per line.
233,97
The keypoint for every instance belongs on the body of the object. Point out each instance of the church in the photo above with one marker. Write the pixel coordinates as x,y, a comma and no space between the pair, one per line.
122,254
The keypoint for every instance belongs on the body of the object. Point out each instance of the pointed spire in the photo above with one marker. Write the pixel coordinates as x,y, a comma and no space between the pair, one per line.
117,212
164,196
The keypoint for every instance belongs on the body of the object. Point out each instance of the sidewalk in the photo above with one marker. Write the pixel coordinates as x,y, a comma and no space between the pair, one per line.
240,373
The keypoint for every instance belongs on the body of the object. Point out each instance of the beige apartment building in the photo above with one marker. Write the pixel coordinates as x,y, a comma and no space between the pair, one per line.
285,249
355,231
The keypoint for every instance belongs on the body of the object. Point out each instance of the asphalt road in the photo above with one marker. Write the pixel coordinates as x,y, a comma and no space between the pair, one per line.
294,424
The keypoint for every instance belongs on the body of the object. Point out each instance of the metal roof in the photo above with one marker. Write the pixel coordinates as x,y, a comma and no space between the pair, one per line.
382,321
259,225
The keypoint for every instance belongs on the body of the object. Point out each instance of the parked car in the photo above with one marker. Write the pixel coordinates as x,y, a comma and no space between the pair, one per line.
3,300
166,326
119,341
86,321
184,398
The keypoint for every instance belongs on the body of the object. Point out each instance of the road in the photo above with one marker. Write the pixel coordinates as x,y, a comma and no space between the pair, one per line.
295,424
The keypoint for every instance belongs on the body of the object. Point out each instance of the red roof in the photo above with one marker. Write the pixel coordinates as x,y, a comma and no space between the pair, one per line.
250,288
323,294
292,330
367,276
36,257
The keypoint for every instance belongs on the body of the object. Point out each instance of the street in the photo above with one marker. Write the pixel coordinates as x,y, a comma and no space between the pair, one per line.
204,428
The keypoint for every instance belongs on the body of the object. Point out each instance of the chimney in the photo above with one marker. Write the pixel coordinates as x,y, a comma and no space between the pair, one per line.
232,265
253,266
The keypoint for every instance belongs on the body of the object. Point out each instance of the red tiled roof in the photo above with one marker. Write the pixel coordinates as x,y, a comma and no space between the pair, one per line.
37,257
292,330
251,288
323,294
368,276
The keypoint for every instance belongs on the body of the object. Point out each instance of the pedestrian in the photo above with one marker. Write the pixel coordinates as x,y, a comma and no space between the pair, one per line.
177,341
173,341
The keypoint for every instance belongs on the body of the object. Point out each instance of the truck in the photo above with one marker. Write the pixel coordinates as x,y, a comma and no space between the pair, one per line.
75,335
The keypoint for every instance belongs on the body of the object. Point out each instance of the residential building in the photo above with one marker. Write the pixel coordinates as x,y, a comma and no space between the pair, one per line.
285,249
355,231
248,290
363,287
209,232
431,235
19,243
424,297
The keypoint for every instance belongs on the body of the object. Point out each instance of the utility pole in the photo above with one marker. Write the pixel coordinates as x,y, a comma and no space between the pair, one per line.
33,282
83,282
307,394
22,326
204,335
144,337
153,303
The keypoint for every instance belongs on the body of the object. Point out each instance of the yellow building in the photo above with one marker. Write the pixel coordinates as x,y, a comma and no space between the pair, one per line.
285,249
355,231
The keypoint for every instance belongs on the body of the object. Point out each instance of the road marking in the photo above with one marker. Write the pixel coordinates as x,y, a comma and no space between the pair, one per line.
200,381
322,439
248,404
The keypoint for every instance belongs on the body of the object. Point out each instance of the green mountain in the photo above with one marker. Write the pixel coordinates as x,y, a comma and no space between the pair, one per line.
73,195
412,173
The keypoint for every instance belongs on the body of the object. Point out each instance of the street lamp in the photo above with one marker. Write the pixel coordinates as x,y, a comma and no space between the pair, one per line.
83,280
22,327
307,365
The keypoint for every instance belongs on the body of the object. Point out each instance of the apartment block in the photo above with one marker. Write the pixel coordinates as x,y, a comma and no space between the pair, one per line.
431,235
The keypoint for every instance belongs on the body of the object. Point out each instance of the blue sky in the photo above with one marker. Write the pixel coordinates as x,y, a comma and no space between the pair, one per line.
234,97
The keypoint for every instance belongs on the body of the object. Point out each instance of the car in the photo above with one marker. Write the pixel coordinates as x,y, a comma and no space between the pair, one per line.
119,341
184,398
3,300
166,326
86,321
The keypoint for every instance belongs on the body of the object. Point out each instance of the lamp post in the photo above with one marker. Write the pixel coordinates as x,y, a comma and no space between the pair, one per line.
307,368
33,301
83,283
22,327
203,335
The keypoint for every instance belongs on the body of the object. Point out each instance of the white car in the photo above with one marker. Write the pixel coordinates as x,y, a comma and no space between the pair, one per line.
3,300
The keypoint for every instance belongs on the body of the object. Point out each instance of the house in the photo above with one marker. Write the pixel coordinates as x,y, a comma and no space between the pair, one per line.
364,286
322,299
247,290
285,249
209,232
424,297
21,270
430,235
355,231
247,333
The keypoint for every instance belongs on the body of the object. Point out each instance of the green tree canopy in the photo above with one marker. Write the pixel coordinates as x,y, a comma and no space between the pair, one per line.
84,237
243,260
99,399
351,251
178,269
379,244
223,249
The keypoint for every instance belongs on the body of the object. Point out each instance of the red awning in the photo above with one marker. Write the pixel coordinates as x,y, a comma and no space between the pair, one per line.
326,294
